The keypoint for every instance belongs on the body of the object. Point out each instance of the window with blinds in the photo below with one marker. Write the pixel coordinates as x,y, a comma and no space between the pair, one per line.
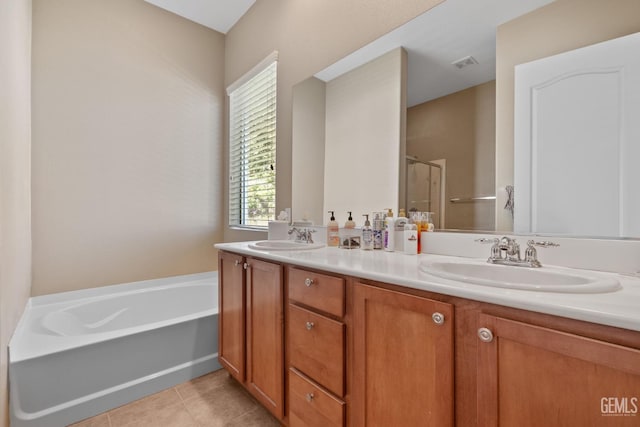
252,147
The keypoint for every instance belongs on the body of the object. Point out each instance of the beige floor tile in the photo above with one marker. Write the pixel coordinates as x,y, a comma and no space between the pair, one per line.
219,407
175,415
212,400
204,384
140,409
101,420
259,417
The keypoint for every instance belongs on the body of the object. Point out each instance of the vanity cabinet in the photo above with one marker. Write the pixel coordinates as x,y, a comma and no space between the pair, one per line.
402,359
535,376
361,353
231,313
316,348
251,322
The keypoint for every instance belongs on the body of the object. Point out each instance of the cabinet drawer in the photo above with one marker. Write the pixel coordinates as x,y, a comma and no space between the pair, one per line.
310,406
316,347
326,293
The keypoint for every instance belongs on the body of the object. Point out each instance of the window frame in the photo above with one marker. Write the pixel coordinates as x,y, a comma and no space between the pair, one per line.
238,161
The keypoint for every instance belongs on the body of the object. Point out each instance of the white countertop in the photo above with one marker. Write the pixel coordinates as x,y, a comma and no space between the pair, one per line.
620,308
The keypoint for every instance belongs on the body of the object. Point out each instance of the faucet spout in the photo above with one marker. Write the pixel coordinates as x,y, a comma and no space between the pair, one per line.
506,251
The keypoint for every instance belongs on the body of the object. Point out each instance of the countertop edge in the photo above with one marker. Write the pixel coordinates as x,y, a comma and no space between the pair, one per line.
616,309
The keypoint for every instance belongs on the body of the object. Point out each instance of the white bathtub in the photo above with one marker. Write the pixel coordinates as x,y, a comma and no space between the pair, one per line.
77,354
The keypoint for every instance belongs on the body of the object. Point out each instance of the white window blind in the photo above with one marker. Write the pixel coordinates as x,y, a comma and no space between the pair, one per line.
252,147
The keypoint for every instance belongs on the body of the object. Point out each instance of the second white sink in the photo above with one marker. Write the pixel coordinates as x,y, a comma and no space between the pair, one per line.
544,279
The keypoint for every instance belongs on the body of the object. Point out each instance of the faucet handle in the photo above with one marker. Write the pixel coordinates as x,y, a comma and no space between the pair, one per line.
495,249
542,244
308,235
487,240
531,255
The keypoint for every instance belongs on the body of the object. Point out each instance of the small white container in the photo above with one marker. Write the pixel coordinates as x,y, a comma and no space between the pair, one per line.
410,239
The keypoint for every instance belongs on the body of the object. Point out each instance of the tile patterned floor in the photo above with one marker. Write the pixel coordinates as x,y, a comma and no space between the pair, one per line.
213,400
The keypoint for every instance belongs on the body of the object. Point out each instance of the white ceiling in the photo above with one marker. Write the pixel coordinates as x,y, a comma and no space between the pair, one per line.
219,15
450,31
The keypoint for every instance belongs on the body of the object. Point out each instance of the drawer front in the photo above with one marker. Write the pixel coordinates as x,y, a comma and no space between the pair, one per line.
316,347
310,406
326,293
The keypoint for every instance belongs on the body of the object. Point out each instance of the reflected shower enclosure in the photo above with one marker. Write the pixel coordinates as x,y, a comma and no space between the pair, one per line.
424,189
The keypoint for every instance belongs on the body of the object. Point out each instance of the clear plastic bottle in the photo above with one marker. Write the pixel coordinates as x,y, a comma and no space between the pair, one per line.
367,235
378,230
389,232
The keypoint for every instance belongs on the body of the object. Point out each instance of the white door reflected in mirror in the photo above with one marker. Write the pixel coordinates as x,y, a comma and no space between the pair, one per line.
577,142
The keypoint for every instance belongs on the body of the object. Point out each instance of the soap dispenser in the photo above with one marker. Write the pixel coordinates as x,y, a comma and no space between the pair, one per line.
367,235
333,236
350,224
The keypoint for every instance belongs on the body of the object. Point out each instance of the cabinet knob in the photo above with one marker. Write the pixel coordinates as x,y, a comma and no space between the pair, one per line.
310,325
308,282
485,335
310,397
438,318
237,262
245,265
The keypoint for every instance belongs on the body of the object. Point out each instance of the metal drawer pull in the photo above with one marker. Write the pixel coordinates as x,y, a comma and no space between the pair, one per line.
308,282
310,325
310,397
438,318
485,335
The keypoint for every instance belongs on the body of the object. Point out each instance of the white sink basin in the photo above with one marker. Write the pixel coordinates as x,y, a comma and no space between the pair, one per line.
283,245
544,279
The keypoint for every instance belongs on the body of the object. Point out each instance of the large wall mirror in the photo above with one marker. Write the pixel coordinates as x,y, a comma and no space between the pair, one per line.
455,151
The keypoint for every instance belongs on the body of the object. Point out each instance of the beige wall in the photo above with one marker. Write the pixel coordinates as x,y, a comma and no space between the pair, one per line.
309,36
15,175
308,127
364,138
461,129
558,27
128,104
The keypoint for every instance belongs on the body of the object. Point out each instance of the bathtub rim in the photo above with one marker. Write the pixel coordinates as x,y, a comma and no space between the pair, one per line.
19,349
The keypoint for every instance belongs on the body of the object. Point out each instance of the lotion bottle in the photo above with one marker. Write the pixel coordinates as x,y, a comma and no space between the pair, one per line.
367,235
389,232
333,236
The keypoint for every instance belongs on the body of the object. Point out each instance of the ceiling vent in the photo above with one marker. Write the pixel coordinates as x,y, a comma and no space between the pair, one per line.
464,62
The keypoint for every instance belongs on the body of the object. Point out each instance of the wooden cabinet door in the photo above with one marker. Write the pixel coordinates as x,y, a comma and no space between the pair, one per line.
265,331
231,316
534,376
402,360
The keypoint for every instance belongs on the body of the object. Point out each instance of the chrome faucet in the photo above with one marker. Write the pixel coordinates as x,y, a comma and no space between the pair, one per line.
506,251
304,236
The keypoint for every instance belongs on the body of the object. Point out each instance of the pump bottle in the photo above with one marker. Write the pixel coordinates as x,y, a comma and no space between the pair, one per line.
333,236
367,235
350,224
